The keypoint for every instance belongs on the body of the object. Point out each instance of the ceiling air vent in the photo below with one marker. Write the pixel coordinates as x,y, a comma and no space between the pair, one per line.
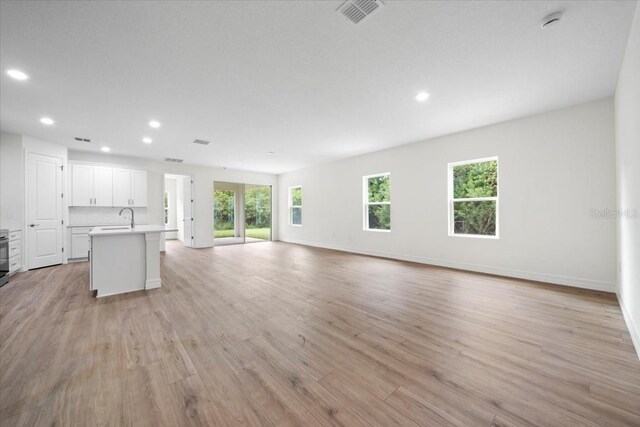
82,139
356,10
200,141
172,160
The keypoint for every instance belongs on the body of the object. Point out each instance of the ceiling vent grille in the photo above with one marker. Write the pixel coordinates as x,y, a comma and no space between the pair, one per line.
172,160
356,10
82,139
200,141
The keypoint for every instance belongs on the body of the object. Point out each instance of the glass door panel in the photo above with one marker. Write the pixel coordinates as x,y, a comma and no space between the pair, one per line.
257,212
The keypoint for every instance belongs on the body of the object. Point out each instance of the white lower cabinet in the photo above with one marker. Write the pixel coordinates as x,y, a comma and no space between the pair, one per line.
80,242
15,251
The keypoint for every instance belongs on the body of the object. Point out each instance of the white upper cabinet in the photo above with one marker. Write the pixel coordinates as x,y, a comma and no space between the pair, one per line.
138,188
121,187
91,185
129,188
81,185
102,186
106,186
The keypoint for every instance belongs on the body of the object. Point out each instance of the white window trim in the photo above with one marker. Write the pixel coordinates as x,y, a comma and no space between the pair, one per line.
474,199
291,206
366,203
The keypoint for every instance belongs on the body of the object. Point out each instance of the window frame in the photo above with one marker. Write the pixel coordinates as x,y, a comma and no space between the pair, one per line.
292,206
452,201
367,203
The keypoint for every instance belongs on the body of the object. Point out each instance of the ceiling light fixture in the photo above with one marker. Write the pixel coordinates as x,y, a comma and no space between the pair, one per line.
154,124
270,152
422,96
105,149
47,121
147,140
17,74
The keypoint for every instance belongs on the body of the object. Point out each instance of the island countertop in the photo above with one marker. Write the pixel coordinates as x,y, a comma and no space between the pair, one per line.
125,230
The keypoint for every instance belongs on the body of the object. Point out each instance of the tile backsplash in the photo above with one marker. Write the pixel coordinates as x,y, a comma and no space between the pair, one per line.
89,215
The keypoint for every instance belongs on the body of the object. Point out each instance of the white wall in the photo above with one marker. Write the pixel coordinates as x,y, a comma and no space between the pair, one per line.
14,150
553,169
11,181
628,181
203,187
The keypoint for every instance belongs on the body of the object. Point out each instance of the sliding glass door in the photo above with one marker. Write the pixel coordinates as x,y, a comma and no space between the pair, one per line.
257,213
241,213
224,208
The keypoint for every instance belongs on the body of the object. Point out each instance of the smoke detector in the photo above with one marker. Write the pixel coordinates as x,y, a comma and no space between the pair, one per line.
551,19
356,10
172,160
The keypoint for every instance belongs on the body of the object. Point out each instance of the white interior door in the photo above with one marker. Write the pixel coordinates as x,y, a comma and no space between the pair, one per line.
188,211
44,210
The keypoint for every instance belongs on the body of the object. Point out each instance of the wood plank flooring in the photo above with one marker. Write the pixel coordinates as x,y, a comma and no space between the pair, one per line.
276,334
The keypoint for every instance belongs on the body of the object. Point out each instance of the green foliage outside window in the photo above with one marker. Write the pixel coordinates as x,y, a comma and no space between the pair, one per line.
296,206
475,180
379,198
258,207
223,210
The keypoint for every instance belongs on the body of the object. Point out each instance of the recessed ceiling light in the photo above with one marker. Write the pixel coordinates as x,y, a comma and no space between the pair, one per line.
147,140
46,121
105,149
270,152
17,74
422,96
154,124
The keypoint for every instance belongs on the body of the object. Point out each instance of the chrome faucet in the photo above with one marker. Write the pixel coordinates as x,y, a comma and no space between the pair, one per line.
133,223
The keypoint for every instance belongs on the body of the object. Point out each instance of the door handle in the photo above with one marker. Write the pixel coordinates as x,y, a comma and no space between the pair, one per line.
33,225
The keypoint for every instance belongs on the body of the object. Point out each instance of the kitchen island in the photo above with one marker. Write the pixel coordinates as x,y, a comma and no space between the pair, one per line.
125,259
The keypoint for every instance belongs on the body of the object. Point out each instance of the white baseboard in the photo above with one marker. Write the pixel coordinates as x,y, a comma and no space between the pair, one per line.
499,271
153,283
631,325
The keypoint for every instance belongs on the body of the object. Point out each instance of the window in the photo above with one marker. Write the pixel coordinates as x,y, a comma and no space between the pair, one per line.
295,205
473,198
377,202
166,207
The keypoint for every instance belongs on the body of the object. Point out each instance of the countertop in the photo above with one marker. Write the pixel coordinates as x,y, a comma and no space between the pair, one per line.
123,224
113,230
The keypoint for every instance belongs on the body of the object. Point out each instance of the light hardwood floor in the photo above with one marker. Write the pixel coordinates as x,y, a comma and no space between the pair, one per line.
279,334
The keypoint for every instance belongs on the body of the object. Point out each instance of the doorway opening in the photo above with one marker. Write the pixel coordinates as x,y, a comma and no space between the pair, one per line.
241,213
177,203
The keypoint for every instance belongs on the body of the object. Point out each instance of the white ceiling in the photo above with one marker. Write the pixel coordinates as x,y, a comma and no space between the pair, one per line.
295,78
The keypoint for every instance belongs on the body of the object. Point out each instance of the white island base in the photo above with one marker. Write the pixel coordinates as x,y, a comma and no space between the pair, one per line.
124,259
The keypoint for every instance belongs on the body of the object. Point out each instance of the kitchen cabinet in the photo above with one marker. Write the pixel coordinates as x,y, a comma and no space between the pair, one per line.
129,187
121,187
95,186
15,251
80,242
138,188
91,185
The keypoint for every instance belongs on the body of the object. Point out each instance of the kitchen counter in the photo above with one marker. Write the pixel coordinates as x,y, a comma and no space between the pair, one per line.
123,229
124,259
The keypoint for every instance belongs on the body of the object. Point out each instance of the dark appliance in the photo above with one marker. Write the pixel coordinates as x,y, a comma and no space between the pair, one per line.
4,256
